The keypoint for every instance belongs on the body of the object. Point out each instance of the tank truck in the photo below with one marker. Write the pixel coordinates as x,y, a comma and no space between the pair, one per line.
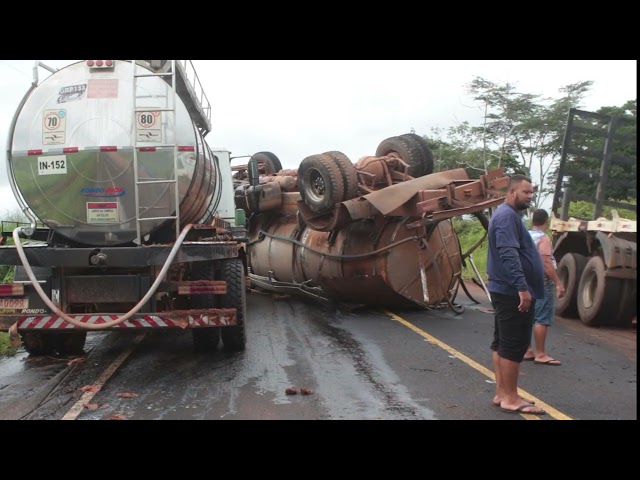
377,232
131,213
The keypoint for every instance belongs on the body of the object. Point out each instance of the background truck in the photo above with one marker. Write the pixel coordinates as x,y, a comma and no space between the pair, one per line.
597,256
138,211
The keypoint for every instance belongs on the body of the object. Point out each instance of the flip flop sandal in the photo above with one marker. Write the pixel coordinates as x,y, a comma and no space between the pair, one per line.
521,408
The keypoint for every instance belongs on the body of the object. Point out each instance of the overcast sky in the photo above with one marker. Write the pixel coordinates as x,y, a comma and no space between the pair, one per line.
297,108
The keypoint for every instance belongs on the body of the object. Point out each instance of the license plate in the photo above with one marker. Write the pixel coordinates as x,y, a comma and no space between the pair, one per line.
14,303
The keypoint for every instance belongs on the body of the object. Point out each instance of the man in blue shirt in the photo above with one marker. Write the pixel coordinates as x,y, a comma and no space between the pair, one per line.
516,279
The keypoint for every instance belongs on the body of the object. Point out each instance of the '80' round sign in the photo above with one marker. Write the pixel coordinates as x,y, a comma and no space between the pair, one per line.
148,126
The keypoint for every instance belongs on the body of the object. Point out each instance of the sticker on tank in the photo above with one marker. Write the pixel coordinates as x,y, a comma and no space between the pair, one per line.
72,93
104,212
148,126
53,165
54,126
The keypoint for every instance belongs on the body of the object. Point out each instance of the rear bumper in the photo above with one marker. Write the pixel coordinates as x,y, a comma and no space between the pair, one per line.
215,317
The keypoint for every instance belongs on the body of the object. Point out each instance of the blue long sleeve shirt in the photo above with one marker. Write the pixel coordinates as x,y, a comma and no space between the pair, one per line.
513,262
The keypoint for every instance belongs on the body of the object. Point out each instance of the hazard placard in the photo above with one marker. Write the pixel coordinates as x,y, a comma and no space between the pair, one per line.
148,126
102,212
54,127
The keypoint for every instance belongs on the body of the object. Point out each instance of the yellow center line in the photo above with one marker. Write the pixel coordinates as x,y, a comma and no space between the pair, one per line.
548,408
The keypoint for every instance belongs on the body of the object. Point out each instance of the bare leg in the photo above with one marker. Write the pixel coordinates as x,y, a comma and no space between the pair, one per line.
540,335
496,370
497,399
509,371
510,399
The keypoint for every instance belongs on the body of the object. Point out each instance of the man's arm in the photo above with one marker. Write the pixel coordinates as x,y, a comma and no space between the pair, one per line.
546,251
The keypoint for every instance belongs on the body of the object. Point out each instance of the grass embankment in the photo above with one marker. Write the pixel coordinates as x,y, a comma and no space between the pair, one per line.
471,232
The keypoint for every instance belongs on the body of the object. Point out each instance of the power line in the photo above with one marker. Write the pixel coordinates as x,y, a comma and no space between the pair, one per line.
16,69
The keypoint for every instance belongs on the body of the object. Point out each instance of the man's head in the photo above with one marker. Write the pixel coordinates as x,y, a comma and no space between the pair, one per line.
540,218
519,192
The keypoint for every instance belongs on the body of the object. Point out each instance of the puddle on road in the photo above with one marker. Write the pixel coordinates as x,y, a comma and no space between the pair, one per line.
9,366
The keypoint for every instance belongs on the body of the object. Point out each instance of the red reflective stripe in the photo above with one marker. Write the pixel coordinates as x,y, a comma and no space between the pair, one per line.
108,149
34,152
147,149
70,150
186,148
50,322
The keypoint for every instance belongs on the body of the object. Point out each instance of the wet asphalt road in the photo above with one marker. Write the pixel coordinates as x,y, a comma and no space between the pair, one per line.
356,364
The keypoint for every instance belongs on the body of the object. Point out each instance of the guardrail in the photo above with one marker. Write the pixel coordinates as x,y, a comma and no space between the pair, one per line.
191,78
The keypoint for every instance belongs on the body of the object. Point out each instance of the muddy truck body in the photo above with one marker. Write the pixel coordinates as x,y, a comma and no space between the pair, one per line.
375,233
597,256
132,213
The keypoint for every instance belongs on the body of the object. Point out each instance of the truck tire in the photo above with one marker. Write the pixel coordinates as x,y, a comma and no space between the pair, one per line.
71,343
38,343
349,174
627,306
570,270
408,149
267,161
232,271
320,183
427,155
597,297
205,339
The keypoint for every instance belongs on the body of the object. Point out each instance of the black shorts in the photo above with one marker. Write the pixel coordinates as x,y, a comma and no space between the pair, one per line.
512,328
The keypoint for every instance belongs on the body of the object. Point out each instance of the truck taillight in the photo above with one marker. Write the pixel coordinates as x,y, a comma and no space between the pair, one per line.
11,289
93,64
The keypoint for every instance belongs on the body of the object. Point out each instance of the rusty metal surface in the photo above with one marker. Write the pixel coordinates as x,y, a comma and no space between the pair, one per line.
392,197
392,245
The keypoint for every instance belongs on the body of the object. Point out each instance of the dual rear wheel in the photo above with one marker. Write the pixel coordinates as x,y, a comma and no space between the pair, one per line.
330,178
232,271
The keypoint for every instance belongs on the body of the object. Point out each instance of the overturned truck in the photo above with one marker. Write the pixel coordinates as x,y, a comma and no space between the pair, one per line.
377,232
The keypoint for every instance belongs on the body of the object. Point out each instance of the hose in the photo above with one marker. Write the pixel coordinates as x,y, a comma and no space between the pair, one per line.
71,320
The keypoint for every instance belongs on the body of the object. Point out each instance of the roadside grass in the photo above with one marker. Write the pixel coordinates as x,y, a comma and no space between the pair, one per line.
6,350
470,231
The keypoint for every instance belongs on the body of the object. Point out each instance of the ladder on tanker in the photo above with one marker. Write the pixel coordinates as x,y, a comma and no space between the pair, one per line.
169,110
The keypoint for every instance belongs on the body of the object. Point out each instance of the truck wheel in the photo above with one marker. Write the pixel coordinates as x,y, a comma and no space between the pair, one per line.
427,155
408,149
597,297
267,161
570,270
205,339
349,174
71,343
232,271
320,183
627,307
38,343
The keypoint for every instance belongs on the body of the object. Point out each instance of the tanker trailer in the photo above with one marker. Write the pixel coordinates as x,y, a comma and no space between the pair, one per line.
132,213
377,232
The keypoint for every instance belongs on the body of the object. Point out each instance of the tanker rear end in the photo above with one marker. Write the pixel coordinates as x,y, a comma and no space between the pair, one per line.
137,226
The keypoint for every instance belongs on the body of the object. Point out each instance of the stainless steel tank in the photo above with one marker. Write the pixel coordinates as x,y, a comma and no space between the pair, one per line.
71,154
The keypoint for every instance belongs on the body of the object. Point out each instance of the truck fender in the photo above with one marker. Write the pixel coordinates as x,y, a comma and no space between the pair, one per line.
618,254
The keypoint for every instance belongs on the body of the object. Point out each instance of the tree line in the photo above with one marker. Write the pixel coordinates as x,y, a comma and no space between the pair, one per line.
524,133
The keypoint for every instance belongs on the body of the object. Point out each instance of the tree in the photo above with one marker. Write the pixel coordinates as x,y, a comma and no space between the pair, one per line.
526,126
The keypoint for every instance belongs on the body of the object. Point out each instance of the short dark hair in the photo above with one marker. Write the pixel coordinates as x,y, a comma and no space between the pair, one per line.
517,179
539,217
